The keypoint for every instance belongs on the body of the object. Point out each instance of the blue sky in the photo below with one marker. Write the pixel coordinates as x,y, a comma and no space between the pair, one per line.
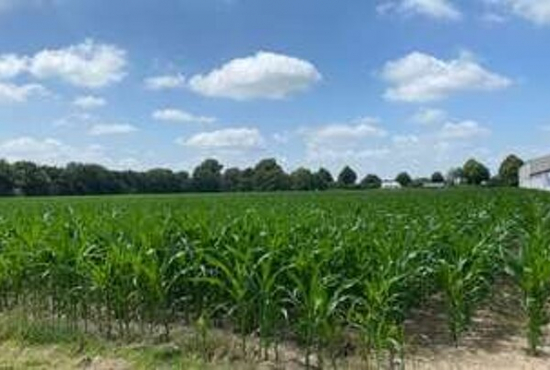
384,86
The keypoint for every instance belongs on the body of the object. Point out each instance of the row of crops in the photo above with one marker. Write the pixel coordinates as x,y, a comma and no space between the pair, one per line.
310,269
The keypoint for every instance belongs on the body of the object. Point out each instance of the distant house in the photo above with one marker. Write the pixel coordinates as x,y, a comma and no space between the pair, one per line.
391,184
535,174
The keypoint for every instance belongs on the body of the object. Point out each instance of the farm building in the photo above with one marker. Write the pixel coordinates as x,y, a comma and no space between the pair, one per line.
535,174
391,184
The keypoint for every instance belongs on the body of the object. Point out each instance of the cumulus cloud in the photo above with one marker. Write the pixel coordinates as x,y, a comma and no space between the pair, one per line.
111,129
420,77
429,116
232,139
463,130
535,11
342,134
437,9
11,65
165,82
263,75
88,64
177,115
12,93
89,102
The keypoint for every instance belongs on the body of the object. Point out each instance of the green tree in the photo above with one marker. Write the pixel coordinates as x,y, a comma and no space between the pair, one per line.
232,179
6,178
31,179
371,181
508,172
404,179
347,177
323,179
302,179
455,175
438,177
269,176
207,176
475,172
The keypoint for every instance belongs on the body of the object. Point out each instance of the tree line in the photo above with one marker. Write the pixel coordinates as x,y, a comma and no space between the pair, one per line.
28,178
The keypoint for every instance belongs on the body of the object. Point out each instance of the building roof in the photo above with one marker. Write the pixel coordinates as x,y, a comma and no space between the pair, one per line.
539,165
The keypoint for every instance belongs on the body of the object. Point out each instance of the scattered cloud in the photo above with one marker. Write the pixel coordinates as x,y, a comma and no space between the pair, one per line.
429,116
88,64
535,11
493,18
89,102
55,152
232,139
436,9
177,115
342,135
165,82
405,140
11,66
264,75
463,130
12,93
111,129
420,77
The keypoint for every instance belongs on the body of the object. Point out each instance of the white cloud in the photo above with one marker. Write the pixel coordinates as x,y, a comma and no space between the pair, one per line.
55,152
89,64
89,102
437,9
342,134
405,140
463,130
177,115
264,75
231,139
166,82
429,116
536,11
111,129
12,93
11,65
420,77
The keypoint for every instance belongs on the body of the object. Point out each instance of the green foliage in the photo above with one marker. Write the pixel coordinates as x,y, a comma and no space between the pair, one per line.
509,170
438,177
347,177
404,179
207,176
269,176
371,182
475,172
313,268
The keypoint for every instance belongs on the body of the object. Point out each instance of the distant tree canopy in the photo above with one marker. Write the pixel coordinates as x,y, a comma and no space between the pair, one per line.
347,177
27,178
404,179
438,177
371,182
508,172
207,177
475,172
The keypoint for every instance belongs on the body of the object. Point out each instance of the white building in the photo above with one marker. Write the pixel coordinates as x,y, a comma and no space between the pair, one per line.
535,174
391,184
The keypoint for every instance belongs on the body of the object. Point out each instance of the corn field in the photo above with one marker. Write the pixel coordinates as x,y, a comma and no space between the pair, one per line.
317,270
